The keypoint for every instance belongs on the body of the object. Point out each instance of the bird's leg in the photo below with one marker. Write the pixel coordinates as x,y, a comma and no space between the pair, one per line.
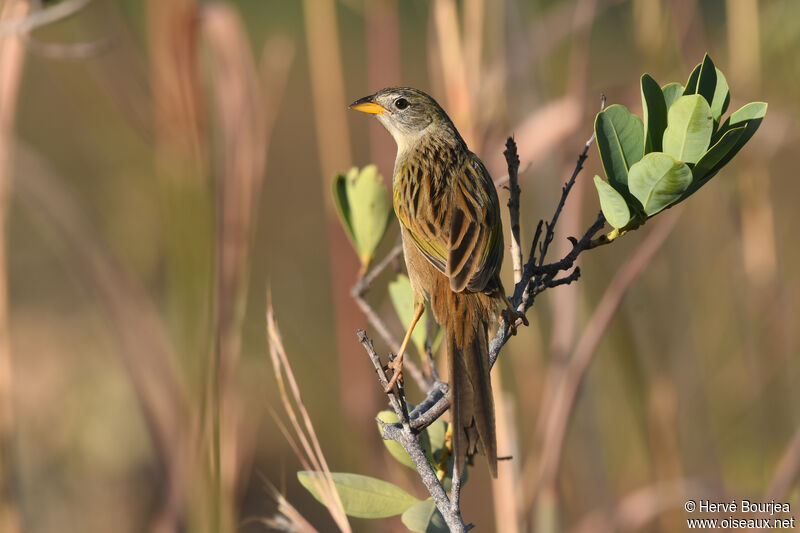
397,364
511,315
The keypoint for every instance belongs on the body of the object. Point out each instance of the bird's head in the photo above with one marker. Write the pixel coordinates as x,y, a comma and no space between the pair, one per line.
409,115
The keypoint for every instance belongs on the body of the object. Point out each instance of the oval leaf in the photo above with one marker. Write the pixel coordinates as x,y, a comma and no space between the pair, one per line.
395,449
717,153
658,180
749,116
369,210
706,80
343,206
615,209
731,137
620,140
691,83
363,496
689,128
436,436
672,91
424,517
722,97
654,109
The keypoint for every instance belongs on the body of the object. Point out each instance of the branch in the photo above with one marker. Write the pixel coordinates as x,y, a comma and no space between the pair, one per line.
359,291
407,438
512,160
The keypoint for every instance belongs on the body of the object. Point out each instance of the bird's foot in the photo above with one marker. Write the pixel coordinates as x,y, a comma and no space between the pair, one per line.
397,372
512,315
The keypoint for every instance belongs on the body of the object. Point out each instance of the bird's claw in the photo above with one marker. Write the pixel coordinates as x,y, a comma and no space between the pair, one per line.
397,373
511,316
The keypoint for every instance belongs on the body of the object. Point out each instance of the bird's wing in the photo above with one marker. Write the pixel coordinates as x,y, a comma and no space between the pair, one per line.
475,236
458,229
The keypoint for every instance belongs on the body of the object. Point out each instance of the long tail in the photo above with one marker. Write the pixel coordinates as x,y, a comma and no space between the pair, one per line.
472,404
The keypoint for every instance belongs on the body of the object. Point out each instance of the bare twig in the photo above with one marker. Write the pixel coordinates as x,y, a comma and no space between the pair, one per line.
363,284
407,437
359,291
512,160
501,182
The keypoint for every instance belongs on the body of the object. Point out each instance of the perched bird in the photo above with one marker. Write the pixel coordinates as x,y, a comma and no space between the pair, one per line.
452,236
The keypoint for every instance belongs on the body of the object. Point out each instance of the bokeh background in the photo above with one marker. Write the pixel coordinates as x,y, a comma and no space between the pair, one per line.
164,164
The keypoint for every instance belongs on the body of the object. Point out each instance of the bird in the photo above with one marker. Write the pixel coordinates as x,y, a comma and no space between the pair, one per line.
452,235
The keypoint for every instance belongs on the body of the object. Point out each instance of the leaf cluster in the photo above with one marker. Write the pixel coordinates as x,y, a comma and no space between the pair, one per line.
654,163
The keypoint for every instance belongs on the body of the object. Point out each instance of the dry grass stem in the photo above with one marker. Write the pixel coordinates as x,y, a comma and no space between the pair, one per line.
786,472
12,57
238,102
328,90
505,486
453,67
292,399
145,348
288,518
561,406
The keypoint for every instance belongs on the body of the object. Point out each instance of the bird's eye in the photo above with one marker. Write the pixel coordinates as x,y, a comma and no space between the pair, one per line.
401,103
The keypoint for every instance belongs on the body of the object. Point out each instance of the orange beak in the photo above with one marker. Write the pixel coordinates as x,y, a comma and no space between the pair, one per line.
367,105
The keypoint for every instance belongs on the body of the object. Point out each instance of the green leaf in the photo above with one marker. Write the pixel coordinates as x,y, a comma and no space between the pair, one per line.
424,517
722,97
620,140
717,153
691,83
707,80
658,180
750,116
689,128
363,496
726,143
672,91
395,448
654,109
615,209
370,210
436,435
343,206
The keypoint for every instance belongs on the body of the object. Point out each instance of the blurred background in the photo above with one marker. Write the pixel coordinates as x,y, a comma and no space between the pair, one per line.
165,164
